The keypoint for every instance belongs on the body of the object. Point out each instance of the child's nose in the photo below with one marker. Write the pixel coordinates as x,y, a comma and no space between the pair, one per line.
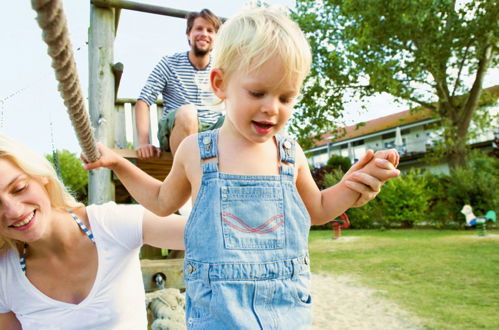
271,106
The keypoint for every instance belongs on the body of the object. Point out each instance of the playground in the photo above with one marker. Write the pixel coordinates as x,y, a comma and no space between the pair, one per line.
405,279
363,279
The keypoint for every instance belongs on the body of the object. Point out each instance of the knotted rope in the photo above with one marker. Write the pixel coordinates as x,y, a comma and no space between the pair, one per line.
51,19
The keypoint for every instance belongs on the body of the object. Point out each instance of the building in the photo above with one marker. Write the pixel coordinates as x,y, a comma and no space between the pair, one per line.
412,133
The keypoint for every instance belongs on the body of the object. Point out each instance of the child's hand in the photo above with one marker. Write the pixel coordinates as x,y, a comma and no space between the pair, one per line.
108,159
391,155
368,175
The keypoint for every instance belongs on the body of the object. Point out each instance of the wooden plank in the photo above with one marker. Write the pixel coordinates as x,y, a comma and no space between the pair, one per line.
120,129
171,268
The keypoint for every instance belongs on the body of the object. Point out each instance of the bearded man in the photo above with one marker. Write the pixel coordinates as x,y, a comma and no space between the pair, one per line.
183,80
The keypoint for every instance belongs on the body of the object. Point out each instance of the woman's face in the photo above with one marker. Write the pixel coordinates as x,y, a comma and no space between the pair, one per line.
24,204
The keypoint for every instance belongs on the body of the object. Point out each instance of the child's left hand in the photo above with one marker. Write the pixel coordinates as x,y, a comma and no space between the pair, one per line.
368,175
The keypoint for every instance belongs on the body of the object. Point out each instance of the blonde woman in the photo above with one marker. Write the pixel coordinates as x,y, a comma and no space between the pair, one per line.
64,265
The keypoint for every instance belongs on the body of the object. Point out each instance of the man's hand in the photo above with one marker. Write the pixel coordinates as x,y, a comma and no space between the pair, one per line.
147,151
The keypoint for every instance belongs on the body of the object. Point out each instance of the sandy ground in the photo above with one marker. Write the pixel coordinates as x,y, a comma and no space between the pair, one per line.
340,303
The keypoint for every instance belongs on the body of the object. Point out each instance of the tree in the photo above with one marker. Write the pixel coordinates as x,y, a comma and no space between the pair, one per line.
432,53
74,176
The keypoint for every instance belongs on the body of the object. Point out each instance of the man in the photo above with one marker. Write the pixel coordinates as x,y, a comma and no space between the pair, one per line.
183,80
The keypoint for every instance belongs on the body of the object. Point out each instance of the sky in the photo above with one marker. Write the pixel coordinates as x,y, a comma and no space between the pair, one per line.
31,109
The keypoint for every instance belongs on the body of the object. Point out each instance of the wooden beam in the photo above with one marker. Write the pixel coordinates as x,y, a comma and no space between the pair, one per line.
101,95
131,5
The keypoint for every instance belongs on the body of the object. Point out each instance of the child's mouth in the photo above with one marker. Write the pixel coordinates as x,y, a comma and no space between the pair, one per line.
262,127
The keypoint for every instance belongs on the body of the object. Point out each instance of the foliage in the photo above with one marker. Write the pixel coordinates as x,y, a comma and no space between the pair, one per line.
475,184
339,162
75,178
402,202
429,53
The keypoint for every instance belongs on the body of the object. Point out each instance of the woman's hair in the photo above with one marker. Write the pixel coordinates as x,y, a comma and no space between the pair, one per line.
249,39
35,166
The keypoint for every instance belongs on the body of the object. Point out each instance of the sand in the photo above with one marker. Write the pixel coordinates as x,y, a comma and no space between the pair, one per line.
341,303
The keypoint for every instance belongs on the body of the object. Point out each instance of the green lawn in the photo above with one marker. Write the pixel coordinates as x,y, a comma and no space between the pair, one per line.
449,279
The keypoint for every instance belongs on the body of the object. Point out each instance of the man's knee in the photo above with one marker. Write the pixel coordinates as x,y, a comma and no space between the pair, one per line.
186,117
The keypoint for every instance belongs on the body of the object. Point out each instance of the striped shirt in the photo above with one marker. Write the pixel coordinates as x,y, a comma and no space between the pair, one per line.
181,83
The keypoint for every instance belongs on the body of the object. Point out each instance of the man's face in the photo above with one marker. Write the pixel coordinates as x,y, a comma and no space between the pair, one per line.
201,37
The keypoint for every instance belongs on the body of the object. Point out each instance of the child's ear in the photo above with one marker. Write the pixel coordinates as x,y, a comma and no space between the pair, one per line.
217,83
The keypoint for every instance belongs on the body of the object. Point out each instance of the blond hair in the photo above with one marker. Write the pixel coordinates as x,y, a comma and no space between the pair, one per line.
248,40
35,166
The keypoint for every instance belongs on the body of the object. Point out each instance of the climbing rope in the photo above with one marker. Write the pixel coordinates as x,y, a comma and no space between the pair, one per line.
51,19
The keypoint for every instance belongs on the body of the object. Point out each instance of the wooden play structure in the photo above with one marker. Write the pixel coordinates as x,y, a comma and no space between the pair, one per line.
107,115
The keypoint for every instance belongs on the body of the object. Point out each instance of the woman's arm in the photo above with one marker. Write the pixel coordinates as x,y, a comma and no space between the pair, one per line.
9,321
164,232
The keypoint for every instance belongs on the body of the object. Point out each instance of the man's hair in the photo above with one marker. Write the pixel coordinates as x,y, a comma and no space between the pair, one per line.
35,166
254,36
207,15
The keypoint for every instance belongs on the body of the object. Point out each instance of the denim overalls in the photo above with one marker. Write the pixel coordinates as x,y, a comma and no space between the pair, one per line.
246,263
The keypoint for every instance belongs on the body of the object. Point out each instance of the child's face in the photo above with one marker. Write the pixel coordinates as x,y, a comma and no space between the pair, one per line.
259,103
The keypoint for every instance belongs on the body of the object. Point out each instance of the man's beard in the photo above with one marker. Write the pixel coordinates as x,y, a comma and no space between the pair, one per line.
200,52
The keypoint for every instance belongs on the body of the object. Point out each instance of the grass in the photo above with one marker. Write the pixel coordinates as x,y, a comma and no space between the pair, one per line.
449,279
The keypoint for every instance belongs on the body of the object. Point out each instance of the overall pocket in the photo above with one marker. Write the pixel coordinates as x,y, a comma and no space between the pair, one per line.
252,217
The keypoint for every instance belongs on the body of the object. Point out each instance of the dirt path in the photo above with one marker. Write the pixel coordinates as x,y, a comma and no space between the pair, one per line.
340,303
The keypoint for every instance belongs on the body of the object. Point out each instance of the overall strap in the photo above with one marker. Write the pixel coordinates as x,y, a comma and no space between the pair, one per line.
208,148
286,154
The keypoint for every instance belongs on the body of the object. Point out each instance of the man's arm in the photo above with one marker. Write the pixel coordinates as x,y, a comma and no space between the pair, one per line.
145,149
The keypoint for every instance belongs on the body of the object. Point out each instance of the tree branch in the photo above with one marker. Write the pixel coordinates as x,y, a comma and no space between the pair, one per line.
461,65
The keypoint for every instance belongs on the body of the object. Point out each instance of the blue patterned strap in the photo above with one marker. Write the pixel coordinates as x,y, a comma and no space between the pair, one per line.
208,148
83,228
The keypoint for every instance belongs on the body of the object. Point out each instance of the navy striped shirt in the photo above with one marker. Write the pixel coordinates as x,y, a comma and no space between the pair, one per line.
181,83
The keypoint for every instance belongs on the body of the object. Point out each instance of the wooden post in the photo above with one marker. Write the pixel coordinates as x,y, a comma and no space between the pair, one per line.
101,95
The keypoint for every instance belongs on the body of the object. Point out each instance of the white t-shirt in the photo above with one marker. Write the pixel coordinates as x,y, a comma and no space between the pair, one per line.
117,298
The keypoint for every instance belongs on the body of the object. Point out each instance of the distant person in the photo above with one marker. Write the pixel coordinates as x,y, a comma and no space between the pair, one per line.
64,265
246,263
183,81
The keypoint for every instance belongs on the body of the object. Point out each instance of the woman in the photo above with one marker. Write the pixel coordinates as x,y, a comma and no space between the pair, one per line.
67,266
64,265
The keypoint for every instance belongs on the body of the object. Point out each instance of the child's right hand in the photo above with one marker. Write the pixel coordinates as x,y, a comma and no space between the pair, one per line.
108,159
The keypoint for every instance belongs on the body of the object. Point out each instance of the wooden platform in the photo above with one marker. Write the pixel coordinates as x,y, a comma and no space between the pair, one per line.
157,168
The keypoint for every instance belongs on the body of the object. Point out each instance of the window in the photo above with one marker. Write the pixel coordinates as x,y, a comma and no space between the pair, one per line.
358,143
388,136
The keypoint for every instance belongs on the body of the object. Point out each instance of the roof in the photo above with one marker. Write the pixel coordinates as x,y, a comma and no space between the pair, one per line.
383,123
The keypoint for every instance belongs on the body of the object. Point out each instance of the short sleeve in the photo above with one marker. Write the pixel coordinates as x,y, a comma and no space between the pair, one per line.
4,304
119,222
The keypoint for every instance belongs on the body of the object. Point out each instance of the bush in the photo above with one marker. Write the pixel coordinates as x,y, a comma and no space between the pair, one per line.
339,162
474,184
404,200
74,176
